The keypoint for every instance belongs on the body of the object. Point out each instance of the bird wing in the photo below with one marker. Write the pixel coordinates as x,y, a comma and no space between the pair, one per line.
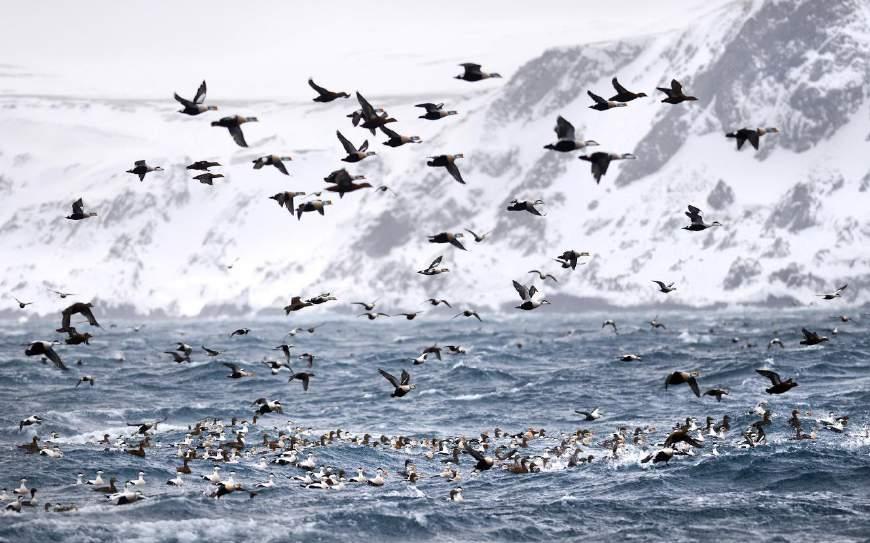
183,101
320,90
598,99
533,290
619,88
367,109
389,133
693,383
304,377
55,359
471,68
428,106
660,283
86,311
676,86
238,136
454,171
753,139
281,167
393,381
456,243
476,454
348,146
406,377
232,367
364,147
476,316
436,262
564,129
841,289
809,335
78,207
521,290
200,94
772,375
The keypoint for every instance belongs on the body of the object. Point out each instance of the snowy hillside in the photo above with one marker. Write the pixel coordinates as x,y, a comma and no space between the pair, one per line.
794,213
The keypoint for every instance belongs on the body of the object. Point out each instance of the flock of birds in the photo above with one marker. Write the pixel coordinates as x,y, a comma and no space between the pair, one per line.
213,442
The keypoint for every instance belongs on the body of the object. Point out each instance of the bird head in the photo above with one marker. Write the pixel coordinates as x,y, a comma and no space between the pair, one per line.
211,108
495,75
591,142
629,156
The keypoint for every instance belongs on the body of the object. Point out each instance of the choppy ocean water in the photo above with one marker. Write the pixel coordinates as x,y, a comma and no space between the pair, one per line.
784,490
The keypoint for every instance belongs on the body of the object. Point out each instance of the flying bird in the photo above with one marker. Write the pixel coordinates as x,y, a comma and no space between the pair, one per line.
433,269
778,386
698,223
447,237
354,154
531,207
448,162
141,168
195,106
46,349
80,308
675,93
601,104
666,288
78,211
469,313
324,95
530,296
623,94
272,160
751,135
396,139
474,73
401,386
600,161
434,111
234,125
812,338
544,276
680,377
831,295
566,138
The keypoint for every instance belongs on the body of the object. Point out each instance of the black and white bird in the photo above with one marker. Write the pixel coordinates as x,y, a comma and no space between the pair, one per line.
589,416
831,295
698,223
46,349
401,386
600,161
448,237
752,135
434,111
141,168
666,288
524,205
448,162
354,154
566,138
531,297
272,160
197,105
324,95
435,269
78,211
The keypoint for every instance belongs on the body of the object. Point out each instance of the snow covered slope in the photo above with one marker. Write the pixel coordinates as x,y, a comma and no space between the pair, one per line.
794,213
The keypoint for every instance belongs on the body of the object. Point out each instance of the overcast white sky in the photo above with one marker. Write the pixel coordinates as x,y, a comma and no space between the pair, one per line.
268,48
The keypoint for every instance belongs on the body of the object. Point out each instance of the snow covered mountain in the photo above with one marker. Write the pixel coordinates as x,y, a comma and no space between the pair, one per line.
794,212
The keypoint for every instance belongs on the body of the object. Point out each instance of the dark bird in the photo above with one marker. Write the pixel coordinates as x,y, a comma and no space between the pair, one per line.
303,376
78,211
354,154
285,199
680,377
234,125
396,139
210,352
611,323
195,106
241,332
477,237
237,372
311,206
434,111
601,104
473,73
272,160
433,268
656,324
751,135
812,338
662,455
324,95
178,357
831,295
681,436
448,162
600,161
365,305
778,386
85,379
589,416
22,305
717,393
84,309
568,259
447,237
623,94
698,223
370,117
567,140
436,302
665,288
530,296
343,182
410,316
372,316
75,338
140,168
469,313
202,165
208,178
517,205
675,93
544,276
63,295
400,386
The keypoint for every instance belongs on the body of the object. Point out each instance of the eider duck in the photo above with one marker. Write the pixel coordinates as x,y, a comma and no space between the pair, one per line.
778,386
717,393
751,135
456,494
272,160
354,154
303,376
141,168
436,302
434,111
396,139
544,276
469,313
237,372
80,308
369,116
234,125
589,416
208,178
29,421
285,199
202,165
323,95
612,324
78,213
477,237
433,269
623,94
812,338
474,73
241,332
22,305
831,295
448,162
448,237
698,223
675,93
531,297
46,349
569,259
665,288
517,205
195,106
600,161
401,386
311,206
601,104
567,139
85,379
680,377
